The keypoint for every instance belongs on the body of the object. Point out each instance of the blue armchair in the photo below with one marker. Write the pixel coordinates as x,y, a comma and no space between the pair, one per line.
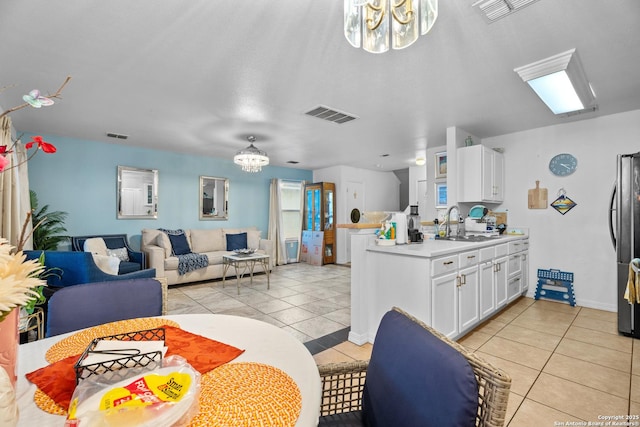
91,304
137,260
74,268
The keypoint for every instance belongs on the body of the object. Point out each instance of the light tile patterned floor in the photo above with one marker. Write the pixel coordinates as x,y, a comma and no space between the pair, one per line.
568,364
309,301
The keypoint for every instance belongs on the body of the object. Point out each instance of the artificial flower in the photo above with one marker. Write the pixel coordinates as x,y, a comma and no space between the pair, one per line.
42,144
18,278
3,162
36,100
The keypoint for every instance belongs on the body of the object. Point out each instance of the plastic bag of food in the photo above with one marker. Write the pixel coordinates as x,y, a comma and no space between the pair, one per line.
166,396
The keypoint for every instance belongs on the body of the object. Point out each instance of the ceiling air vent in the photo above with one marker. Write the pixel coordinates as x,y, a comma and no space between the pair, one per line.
497,9
117,135
330,115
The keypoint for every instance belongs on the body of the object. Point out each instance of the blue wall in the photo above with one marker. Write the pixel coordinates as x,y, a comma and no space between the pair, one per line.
80,179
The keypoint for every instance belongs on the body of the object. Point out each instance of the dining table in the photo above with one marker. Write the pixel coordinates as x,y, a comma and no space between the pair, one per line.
264,345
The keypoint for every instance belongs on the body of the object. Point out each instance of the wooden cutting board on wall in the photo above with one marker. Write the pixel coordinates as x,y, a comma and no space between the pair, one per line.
537,197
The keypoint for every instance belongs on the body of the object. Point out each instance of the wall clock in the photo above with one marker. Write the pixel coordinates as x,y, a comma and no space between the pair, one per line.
563,164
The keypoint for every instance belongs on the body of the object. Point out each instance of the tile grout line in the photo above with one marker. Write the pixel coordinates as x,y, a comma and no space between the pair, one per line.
541,369
545,364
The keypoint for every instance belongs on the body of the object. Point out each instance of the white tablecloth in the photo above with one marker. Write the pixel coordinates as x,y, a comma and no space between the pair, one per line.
262,342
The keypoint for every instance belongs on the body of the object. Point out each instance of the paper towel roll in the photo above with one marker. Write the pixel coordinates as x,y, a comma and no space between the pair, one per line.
402,232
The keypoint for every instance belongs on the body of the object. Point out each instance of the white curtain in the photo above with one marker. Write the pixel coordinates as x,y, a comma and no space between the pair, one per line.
275,230
279,231
14,190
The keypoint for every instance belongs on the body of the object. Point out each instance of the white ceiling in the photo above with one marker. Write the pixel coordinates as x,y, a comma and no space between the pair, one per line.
199,76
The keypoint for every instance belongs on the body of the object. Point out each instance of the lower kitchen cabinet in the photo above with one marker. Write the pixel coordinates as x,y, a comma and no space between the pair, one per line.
487,289
444,308
468,303
525,272
450,290
500,272
455,300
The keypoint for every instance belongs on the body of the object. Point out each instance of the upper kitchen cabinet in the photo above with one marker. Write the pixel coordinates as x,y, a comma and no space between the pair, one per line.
319,215
480,174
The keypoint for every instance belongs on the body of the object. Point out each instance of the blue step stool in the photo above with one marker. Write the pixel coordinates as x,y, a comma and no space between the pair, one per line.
556,285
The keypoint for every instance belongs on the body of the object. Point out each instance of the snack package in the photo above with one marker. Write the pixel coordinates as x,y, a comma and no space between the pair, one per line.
166,396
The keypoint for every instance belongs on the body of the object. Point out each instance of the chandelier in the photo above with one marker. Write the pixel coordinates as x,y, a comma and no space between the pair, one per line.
370,24
251,159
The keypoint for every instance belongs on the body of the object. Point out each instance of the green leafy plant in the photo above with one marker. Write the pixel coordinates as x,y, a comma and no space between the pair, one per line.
47,226
43,275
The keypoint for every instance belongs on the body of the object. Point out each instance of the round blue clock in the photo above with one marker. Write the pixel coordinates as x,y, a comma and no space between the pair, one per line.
563,164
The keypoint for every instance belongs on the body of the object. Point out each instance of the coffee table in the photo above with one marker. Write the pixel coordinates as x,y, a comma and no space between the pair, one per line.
244,262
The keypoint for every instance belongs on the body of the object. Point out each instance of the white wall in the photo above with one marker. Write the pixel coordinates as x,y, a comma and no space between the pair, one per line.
578,241
381,192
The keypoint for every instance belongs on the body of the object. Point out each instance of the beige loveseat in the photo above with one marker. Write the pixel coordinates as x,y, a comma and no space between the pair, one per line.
211,242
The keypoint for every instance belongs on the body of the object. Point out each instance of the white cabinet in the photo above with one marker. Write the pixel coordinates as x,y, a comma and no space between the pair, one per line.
468,304
518,267
525,272
487,289
513,288
500,274
480,174
444,304
454,291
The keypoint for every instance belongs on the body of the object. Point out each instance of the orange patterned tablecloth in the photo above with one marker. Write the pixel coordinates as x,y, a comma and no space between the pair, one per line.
233,395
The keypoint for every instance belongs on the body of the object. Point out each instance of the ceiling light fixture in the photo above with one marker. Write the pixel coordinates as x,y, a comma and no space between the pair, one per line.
251,159
560,82
420,161
370,24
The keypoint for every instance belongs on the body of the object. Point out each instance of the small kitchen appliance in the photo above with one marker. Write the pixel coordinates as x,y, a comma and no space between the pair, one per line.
413,224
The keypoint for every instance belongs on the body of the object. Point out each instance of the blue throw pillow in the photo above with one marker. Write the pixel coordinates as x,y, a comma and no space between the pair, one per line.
416,379
236,241
179,244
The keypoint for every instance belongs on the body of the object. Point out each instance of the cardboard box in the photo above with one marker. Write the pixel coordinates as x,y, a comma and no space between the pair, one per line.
316,248
304,249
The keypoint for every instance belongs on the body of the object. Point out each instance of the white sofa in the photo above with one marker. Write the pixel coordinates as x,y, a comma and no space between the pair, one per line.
211,242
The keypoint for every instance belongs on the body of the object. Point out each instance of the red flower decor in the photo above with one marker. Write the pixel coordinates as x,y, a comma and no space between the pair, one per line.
42,144
4,162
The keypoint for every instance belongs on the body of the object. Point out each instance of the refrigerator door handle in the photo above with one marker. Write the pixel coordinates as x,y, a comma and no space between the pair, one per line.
612,212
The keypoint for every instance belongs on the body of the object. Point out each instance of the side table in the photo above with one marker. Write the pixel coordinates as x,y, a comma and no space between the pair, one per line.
244,262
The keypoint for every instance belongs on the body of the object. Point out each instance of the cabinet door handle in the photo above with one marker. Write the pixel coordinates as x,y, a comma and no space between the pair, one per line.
448,262
471,257
459,281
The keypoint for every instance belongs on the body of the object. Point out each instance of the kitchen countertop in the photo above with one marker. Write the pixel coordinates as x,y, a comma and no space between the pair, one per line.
365,225
437,247
358,226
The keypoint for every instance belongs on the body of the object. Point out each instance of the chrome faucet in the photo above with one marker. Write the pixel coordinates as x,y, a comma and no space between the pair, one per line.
448,227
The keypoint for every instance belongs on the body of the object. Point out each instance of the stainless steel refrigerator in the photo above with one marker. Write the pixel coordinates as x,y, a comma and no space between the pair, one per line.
624,226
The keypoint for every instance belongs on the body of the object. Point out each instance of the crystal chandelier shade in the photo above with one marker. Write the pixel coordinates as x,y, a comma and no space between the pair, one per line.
376,25
251,159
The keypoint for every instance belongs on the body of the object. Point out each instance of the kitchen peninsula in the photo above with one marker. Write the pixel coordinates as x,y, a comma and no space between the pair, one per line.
450,285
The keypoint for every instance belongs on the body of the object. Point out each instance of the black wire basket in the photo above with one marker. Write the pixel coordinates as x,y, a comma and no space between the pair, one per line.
131,358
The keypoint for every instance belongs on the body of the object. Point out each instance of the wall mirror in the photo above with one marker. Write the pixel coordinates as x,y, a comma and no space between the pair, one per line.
137,193
214,198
